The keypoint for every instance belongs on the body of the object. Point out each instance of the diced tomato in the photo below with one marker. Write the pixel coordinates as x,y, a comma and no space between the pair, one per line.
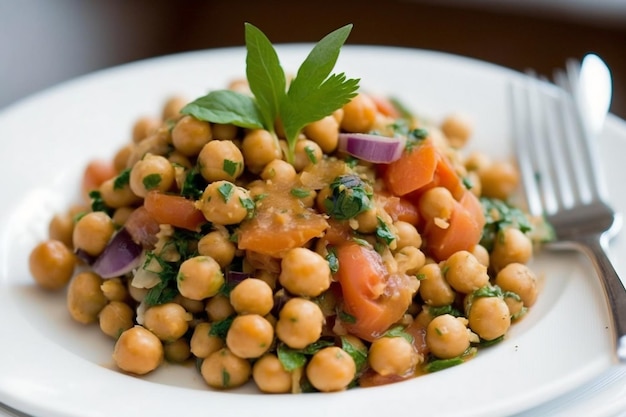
385,106
174,210
96,172
371,378
402,209
414,170
372,296
463,233
142,227
444,176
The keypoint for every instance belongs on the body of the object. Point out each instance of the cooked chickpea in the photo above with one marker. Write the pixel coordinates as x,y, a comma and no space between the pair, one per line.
304,272
464,273
436,203
117,196
121,215
224,203
199,277
392,356
499,180
299,323
252,296
219,308
189,135
203,343
259,148
177,351
172,107
489,317
143,127
220,160
367,221
270,375
51,264
114,290
152,172
481,254
477,161
218,246
60,228
510,246
306,152
115,318
359,115
192,306
331,369
168,321
85,299
224,370
447,336
519,279
324,132
138,351
407,235
409,260
279,171
458,129
92,232
249,336
121,157
224,131
434,289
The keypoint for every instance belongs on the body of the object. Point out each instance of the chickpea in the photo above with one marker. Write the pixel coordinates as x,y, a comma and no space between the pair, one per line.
477,161
474,180
407,235
138,351
219,308
510,246
259,148
458,129
220,160
359,115
153,172
199,277
121,157
447,336
519,279
203,343
93,232
223,370
331,369
117,196
143,127
481,254
192,306
270,375
434,289
172,107
499,180
436,203
158,143
168,321
51,264
489,317
409,260
189,135
114,290
115,318
61,228
249,336
279,171
306,152
252,296
224,203
121,215
464,273
299,323
367,221
85,299
224,131
218,246
304,272
177,351
392,356
324,132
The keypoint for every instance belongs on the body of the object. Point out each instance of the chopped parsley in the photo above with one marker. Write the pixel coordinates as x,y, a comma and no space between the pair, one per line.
194,184
498,216
349,197
310,153
230,167
383,232
300,192
122,179
333,261
151,181
226,190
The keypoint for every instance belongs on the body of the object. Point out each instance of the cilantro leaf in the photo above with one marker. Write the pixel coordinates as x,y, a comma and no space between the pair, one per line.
358,354
265,75
227,107
122,179
498,216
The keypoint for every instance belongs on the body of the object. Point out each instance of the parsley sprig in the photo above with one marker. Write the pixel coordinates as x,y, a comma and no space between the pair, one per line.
313,94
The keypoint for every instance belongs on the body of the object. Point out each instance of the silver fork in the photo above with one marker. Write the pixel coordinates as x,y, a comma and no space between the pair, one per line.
562,182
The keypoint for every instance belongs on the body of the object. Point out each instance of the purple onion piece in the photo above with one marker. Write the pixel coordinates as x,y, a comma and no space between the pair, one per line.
372,148
84,256
120,256
235,277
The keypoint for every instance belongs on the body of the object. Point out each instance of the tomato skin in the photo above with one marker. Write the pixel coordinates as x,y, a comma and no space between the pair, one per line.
174,210
374,298
142,227
402,209
96,172
414,170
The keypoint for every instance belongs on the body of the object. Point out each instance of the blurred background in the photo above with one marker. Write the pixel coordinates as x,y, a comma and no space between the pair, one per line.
44,42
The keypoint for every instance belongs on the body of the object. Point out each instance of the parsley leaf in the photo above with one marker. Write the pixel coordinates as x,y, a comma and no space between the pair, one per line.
383,232
226,190
151,181
226,107
349,197
194,184
498,216
333,261
122,179
358,354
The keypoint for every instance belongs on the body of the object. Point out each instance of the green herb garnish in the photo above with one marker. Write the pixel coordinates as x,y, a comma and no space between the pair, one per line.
383,232
300,192
226,190
333,261
122,179
498,216
151,181
359,355
230,167
349,197
313,94
194,184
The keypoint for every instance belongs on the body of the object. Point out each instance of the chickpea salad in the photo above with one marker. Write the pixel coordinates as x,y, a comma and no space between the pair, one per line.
297,232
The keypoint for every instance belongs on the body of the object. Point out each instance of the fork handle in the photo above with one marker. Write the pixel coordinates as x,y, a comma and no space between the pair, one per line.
596,247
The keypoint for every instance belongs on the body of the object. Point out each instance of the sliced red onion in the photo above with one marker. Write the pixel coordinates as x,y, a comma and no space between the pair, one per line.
120,256
372,148
235,277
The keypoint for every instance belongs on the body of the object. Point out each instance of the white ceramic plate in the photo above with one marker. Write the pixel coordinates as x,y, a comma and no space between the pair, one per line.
51,366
